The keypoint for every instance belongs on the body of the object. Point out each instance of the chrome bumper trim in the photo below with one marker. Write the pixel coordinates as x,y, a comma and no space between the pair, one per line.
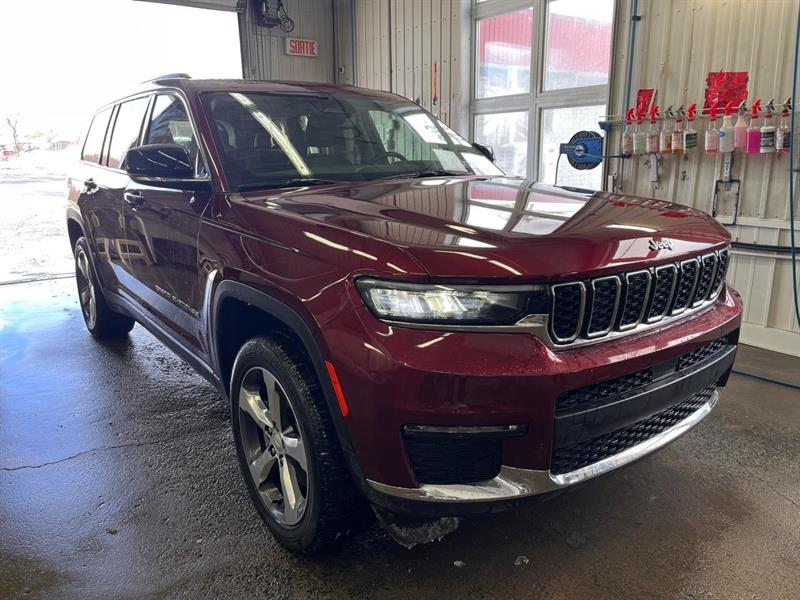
514,483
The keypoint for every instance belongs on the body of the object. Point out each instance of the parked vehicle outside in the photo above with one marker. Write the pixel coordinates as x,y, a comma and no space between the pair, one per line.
395,323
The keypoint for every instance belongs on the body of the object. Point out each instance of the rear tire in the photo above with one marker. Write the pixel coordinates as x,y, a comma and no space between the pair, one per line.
307,501
101,321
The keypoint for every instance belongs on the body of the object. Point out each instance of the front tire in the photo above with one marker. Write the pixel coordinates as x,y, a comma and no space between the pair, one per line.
101,321
287,447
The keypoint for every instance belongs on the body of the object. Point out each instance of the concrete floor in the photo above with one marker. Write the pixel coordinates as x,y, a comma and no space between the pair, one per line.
118,480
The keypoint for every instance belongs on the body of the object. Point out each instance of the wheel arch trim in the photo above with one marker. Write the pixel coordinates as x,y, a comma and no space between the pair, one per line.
277,309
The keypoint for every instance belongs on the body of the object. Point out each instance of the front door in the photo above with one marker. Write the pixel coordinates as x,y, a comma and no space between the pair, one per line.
163,225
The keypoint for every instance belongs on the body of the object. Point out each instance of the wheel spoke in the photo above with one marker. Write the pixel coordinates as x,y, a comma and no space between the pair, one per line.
86,296
290,488
261,466
273,401
251,403
295,449
83,266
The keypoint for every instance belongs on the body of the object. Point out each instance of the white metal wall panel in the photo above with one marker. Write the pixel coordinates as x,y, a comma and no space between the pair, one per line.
264,49
399,41
678,43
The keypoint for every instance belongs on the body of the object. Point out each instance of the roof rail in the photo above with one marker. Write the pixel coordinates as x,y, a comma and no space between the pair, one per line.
169,76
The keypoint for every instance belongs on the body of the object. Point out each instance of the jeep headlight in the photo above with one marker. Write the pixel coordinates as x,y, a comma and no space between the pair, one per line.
451,304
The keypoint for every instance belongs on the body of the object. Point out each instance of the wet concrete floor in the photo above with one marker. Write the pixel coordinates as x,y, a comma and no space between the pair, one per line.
118,480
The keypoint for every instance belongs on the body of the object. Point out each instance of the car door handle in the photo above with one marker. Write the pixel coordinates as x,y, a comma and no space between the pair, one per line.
133,199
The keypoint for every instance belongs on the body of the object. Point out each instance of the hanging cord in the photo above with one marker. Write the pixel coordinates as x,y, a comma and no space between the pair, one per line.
792,176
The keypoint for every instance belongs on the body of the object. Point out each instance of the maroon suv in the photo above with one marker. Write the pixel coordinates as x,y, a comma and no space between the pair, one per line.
392,318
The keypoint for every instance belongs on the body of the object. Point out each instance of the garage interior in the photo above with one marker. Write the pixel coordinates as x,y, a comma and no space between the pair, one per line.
118,473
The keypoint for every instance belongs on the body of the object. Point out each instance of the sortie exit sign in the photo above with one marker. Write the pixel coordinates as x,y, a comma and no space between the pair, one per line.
298,47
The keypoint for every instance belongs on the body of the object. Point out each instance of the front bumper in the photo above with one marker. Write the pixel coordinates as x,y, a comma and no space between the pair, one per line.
393,377
514,483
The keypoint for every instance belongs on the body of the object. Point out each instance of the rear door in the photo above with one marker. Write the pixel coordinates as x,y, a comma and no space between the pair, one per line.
163,224
110,181
102,215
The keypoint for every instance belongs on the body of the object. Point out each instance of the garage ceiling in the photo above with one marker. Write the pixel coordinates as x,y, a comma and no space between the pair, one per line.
229,5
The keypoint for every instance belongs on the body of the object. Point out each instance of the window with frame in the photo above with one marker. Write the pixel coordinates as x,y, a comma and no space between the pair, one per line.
541,73
127,128
93,145
170,124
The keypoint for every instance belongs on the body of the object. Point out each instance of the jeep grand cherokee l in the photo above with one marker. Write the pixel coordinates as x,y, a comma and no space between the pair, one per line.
391,317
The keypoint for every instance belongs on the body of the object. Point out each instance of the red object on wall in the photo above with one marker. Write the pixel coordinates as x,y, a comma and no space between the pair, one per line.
643,100
725,86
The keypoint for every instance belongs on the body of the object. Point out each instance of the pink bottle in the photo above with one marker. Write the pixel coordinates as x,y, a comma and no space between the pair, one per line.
754,131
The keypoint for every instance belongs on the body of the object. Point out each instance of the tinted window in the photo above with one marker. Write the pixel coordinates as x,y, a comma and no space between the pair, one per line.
127,127
169,124
94,139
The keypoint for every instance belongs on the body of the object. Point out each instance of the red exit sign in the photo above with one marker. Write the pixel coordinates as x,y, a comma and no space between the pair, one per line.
298,47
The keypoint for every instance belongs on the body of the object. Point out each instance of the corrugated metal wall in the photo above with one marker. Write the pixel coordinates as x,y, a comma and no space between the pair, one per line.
678,43
403,46
264,51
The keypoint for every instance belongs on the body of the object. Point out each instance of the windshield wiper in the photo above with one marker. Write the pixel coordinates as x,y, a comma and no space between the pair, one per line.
428,173
266,185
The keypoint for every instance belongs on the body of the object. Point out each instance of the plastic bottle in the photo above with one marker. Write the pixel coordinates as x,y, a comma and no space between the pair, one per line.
754,131
726,130
690,135
740,129
639,135
627,134
712,135
768,130
665,135
782,135
677,133
651,144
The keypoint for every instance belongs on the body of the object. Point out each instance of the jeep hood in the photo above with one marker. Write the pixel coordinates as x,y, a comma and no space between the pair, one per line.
507,228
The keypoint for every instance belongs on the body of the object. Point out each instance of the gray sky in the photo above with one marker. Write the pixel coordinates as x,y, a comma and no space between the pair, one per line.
60,59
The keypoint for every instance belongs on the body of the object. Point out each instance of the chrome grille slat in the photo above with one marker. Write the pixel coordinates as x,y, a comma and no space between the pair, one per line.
586,311
687,281
605,303
566,327
723,257
666,279
637,296
708,267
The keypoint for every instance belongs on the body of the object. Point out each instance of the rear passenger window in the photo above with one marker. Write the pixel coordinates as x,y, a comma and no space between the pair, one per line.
127,127
169,124
94,139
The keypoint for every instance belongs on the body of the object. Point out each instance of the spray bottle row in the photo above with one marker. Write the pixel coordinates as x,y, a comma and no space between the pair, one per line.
751,138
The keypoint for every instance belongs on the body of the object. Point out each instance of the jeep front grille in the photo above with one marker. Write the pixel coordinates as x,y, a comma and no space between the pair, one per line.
584,311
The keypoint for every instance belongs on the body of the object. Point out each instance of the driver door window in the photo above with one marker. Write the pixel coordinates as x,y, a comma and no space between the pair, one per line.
169,124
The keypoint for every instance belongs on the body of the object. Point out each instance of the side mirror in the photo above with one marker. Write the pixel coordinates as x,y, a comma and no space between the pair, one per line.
485,150
159,161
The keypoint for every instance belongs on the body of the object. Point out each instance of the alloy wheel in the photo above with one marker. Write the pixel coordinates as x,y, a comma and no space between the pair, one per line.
86,291
273,446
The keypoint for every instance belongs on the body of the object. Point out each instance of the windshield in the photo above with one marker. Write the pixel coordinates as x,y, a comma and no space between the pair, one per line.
271,140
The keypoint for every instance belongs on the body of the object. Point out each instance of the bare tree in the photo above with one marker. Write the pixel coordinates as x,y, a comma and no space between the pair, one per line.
12,123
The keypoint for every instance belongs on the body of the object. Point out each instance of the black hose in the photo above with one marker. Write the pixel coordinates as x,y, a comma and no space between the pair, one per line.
767,379
761,247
